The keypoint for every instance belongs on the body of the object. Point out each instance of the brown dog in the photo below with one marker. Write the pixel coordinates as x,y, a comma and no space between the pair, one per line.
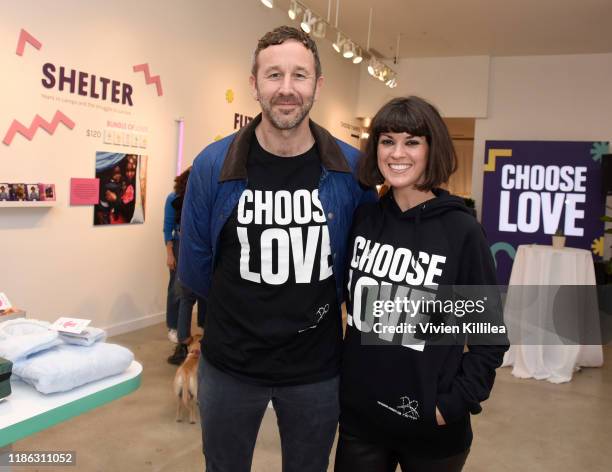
186,381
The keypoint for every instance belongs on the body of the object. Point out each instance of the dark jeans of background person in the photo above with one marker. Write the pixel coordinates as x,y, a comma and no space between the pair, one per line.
179,304
231,412
355,455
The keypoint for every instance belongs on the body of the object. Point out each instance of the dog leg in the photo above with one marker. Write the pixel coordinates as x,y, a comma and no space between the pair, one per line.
193,393
178,409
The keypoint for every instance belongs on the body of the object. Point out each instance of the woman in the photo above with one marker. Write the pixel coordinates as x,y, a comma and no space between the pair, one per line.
180,299
407,398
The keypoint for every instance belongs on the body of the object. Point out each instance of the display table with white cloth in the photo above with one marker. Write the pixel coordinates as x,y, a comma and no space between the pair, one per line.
27,411
541,270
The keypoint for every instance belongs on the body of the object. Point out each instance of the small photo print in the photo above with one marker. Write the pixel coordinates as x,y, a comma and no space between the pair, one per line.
4,192
33,192
17,192
47,191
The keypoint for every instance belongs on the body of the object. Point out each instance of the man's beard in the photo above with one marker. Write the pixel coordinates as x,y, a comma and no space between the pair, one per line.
281,121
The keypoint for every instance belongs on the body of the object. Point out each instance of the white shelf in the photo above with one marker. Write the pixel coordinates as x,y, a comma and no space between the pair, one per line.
44,204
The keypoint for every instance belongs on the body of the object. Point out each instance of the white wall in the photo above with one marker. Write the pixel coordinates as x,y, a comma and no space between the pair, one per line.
457,86
54,262
562,98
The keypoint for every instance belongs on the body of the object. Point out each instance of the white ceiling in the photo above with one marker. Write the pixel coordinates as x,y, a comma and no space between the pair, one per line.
473,27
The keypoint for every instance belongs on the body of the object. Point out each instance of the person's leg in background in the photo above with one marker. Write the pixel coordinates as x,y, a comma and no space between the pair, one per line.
357,455
172,302
231,412
184,301
307,421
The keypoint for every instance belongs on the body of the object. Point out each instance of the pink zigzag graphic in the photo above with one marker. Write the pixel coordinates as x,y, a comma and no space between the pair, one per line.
150,79
38,122
25,37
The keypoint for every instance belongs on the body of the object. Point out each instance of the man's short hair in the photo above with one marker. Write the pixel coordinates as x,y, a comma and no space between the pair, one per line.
279,36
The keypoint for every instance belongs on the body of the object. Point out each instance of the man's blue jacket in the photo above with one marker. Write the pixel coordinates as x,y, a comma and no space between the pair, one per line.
217,180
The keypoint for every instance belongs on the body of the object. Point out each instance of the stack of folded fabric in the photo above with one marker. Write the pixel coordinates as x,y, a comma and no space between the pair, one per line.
54,362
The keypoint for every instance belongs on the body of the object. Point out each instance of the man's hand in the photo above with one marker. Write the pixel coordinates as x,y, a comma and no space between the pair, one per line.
439,418
171,262
170,259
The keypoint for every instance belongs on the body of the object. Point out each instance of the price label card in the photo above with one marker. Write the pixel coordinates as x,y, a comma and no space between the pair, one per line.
5,304
70,325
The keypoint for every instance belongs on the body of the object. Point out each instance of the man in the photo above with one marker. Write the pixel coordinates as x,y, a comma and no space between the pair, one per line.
264,228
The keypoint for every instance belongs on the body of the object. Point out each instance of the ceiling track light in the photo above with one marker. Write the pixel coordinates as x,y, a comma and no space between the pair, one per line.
339,42
376,68
348,50
268,3
382,72
317,27
294,10
373,67
308,22
320,28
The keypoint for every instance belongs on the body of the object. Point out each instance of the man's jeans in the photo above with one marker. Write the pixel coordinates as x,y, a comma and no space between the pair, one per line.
232,410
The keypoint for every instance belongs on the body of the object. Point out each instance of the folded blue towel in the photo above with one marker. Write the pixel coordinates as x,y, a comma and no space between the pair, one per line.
23,337
89,336
67,366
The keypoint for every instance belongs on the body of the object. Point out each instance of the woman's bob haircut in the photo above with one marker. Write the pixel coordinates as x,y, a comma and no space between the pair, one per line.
414,116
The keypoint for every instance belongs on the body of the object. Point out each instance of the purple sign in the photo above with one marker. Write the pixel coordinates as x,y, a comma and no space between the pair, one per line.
533,189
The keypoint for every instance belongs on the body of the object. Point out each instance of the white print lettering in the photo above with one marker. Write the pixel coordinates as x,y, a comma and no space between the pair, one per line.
281,208
401,267
549,198
407,408
411,307
398,264
283,247
431,328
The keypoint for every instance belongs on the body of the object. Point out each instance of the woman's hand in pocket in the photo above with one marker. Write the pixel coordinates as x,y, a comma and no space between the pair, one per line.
439,418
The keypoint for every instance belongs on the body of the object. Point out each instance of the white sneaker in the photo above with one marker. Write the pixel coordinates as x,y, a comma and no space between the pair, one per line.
172,336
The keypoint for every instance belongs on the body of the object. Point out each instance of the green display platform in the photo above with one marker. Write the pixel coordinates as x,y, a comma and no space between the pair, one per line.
27,411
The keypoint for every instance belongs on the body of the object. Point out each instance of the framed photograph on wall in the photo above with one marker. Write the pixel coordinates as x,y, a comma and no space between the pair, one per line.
17,192
4,192
33,192
123,180
46,191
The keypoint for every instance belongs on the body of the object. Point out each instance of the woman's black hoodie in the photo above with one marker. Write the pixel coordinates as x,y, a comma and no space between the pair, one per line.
389,392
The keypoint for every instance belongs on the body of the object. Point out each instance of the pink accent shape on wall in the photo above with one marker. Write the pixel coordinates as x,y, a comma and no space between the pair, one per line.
84,191
37,122
25,37
150,79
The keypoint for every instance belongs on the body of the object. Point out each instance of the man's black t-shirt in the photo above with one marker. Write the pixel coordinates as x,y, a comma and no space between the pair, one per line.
272,314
